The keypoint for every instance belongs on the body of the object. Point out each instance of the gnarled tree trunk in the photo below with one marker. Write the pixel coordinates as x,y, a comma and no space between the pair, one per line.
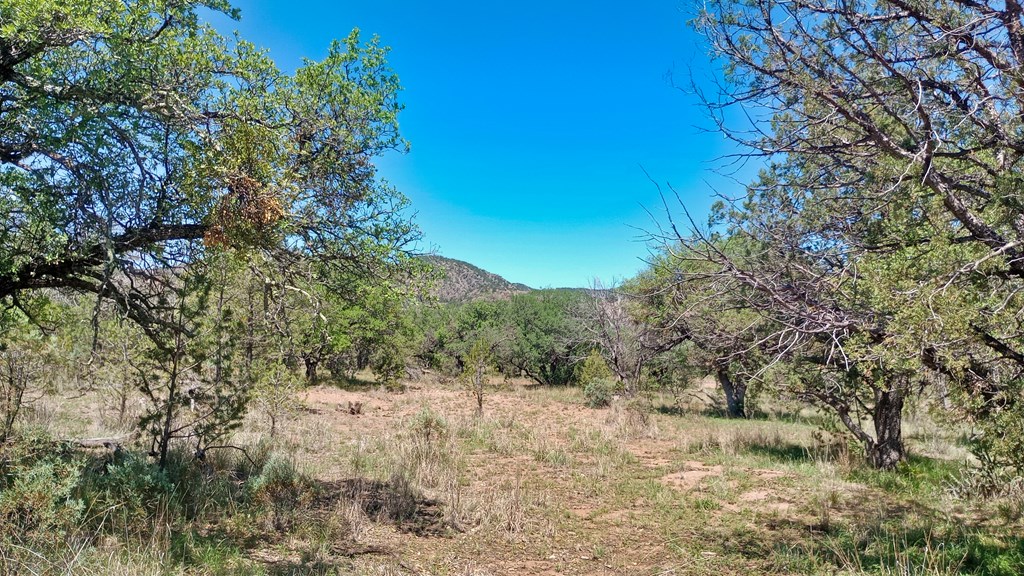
735,394
312,363
886,451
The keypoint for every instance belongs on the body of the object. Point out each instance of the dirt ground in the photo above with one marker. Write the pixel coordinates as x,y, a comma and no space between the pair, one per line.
542,484
415,482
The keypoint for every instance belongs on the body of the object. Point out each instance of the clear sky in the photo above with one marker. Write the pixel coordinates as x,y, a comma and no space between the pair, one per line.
532,123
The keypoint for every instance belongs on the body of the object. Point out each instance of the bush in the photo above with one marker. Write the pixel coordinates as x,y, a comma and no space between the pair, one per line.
388,366
40,514
598,393
278,478
280,490
130,492
56,501
597,379
593,368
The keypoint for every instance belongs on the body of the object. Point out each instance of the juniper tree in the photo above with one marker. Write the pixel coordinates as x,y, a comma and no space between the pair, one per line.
889,206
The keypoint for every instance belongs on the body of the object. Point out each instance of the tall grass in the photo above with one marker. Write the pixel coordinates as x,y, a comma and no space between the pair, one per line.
64,511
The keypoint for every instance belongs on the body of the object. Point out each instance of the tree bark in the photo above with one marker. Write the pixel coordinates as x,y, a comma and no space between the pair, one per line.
887,449
172,397
735,394
311,372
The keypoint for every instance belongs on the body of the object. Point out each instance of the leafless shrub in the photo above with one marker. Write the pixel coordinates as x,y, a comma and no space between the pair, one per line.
18,371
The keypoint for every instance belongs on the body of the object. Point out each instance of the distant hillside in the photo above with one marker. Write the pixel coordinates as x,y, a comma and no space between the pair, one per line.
461,282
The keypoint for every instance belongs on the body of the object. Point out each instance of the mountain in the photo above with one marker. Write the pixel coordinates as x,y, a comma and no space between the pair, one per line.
461,281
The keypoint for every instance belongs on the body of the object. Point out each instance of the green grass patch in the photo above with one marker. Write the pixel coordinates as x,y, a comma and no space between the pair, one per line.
916,477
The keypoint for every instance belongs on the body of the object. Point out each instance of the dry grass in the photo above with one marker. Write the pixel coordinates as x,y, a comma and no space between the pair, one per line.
540,484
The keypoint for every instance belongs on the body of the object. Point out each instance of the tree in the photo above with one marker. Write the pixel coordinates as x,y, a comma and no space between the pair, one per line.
888,207
542,344
461,327
533,334
676,295
773,292
22,365
474,374
434,327
608,321
190,374
140,151
131,133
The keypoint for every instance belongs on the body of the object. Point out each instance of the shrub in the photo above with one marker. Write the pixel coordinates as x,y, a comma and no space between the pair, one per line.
598,393
128,493
278,480
281,490
597,379
388,365
40,514
593,368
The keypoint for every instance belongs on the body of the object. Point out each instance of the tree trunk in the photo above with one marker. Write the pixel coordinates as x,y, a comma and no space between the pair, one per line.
172,399
478,389
735,394
311,366
887,449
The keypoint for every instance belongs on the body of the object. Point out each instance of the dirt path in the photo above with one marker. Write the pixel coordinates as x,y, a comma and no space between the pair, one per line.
546,485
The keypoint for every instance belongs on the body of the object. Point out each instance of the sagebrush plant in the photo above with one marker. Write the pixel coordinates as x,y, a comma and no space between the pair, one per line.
280,492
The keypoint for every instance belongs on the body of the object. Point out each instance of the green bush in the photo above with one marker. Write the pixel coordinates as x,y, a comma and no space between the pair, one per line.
128,494
593,368
55,500
597,380
598,393
40,513
40,499
279,491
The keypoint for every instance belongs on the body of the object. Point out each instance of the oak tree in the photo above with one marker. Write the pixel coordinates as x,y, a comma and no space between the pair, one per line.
132,133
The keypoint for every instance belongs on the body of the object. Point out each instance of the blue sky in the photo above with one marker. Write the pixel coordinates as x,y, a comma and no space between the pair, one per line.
532,123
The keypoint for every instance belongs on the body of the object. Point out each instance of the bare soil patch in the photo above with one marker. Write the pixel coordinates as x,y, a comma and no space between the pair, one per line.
692,474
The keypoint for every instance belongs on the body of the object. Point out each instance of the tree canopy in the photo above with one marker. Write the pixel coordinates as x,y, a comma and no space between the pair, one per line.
887,222
131,132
